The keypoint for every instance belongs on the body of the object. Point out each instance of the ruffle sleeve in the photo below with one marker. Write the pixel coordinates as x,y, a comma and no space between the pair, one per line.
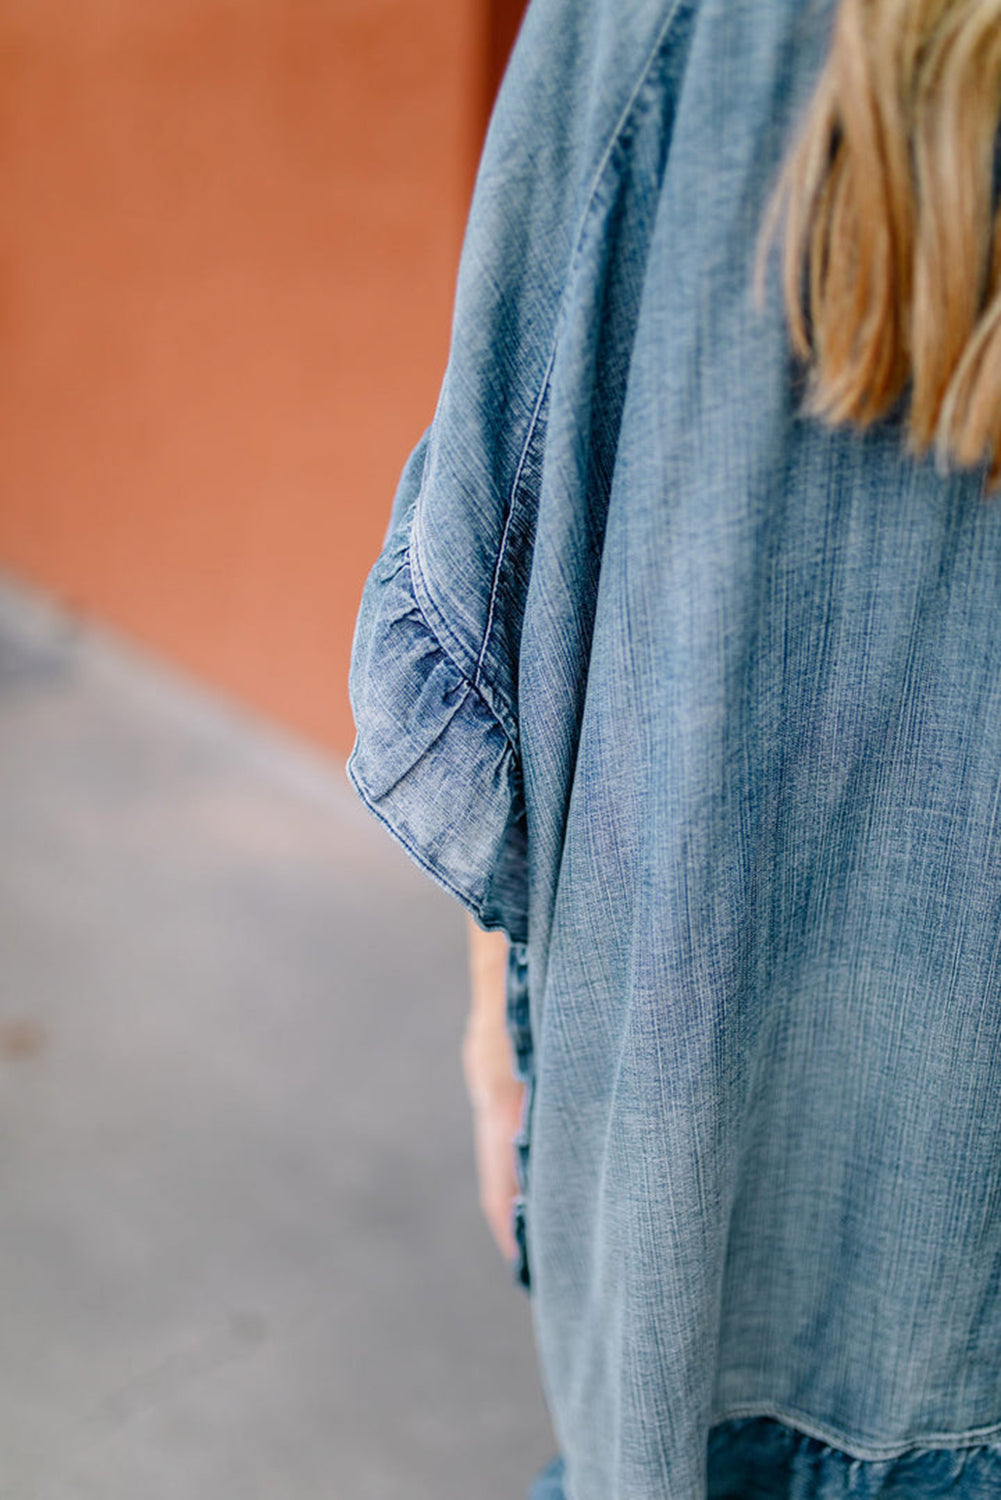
436,671
431,758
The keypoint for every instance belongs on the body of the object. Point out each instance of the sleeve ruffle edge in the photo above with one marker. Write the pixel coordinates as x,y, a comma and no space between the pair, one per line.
431,760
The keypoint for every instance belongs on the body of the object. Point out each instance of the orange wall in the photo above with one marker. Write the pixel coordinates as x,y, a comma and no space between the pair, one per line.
228,239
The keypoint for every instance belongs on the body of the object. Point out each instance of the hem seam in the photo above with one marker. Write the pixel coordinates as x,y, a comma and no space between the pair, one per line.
873,1452
466,898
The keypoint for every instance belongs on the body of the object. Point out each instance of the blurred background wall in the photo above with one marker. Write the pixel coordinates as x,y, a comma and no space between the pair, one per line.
229,231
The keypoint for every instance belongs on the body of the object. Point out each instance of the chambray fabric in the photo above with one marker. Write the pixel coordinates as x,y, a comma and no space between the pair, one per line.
700,702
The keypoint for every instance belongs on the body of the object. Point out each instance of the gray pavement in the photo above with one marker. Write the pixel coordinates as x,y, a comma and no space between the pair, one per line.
240,1252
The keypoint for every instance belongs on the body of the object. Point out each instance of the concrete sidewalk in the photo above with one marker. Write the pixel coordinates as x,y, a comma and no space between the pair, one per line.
240,1249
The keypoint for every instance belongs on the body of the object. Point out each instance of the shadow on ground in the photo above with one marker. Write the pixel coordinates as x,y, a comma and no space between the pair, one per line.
239,1242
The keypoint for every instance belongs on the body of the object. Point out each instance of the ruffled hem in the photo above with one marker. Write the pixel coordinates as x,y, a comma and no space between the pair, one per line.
761,1458
431,760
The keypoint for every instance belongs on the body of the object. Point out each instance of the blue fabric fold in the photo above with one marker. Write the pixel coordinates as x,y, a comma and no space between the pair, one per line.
431,759
760,1458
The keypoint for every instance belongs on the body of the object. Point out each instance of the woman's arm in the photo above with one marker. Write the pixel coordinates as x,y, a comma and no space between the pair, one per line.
494,1093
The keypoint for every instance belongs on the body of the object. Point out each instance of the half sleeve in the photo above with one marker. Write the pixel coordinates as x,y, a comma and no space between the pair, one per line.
432,759
434,670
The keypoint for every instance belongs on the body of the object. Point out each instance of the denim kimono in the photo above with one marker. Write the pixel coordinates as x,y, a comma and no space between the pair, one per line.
700,702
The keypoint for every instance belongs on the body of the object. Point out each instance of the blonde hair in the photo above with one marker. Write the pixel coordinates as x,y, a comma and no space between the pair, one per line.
891,238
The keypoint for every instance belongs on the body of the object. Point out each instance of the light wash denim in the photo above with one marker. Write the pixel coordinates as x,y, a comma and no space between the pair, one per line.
700,702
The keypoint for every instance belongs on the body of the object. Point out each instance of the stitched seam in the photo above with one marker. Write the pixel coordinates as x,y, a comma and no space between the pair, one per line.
873,1452
370,800
412,562
512,497
473,902
579,239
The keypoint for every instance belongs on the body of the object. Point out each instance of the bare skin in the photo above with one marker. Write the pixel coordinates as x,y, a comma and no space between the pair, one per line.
495,1094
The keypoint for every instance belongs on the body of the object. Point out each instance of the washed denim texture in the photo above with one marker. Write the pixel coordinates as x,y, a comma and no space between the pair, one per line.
700,702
